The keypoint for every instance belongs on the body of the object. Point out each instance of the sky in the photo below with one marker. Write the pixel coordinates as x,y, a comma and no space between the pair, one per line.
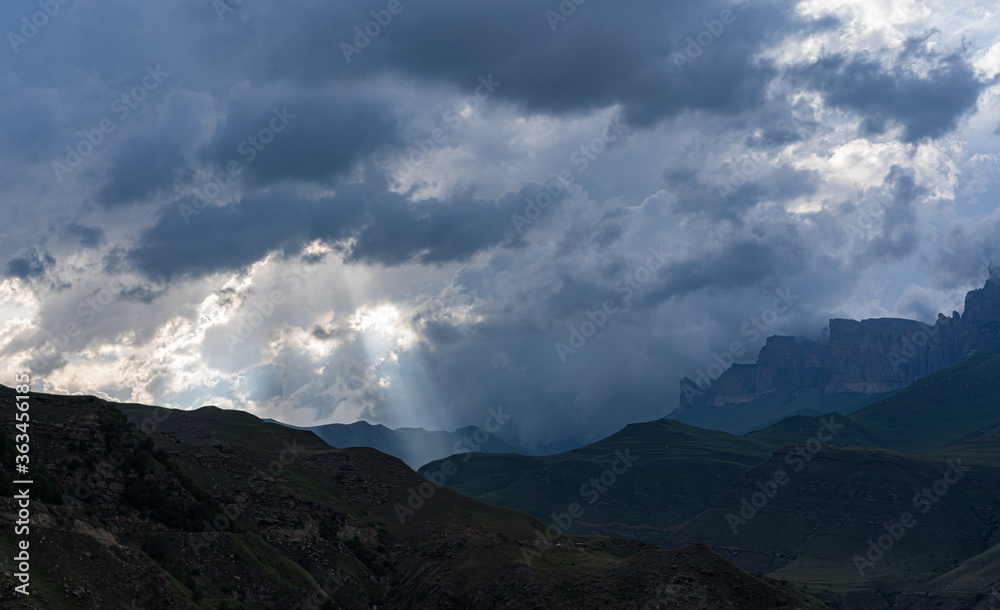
412,212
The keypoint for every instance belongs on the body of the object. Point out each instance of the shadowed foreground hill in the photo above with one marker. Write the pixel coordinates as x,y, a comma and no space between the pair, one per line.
218,509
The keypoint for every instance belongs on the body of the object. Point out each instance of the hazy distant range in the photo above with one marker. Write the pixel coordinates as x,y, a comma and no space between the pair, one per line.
415,446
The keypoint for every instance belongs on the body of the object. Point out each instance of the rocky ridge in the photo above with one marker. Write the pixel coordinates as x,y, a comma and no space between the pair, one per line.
853,361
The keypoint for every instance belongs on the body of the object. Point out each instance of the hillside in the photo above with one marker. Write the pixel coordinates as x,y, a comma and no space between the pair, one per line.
858,474
297,522
812,527
674,472
938,410
681,469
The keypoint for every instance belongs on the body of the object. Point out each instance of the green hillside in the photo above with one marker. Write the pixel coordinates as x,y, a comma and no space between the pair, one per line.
213,509
676,471
937,410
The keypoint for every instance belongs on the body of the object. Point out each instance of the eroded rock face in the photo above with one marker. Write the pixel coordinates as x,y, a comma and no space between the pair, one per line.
866,357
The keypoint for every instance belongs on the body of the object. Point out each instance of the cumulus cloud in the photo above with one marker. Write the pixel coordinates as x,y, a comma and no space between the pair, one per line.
924,92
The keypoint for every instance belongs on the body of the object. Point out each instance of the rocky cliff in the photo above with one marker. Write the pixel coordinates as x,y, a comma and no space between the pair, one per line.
853,360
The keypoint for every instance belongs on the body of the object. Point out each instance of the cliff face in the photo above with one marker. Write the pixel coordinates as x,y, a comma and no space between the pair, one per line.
860,358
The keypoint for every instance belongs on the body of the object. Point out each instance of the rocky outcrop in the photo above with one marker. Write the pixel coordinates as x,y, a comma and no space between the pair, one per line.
869,357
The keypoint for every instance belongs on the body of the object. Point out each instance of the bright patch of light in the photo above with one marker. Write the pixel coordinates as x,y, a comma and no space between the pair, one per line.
318,248
298,339
868,21
988,64
18,309
382,318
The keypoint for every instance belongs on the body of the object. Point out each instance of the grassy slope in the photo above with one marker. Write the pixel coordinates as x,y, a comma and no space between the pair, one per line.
811,531
494,539
678,470
452,552
681,469
812,528
936,411
808,533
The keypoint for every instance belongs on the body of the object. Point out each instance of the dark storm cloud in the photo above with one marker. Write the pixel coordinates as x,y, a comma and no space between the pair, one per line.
744,184
89,237
397,232
925,106
34,123
918,307
231,237
31,266
142,167
513,363
599,56
897,234
312,138
385,228
749,260
966,251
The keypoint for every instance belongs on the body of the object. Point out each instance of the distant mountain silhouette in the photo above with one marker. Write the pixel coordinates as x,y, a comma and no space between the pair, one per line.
415,446
853,364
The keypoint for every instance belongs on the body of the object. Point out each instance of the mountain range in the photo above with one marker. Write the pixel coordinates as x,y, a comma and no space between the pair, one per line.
853,363
845,478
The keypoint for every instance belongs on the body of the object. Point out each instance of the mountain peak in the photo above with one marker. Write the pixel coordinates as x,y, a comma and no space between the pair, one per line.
857,359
